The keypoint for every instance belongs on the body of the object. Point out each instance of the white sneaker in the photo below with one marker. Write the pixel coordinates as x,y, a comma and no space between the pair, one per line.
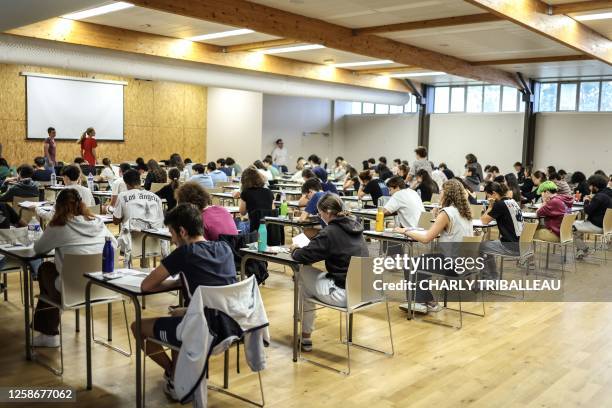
417,307
45,340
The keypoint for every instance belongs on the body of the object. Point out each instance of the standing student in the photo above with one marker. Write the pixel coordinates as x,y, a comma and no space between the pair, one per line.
425,186
201,177
215,219
405,202
50,150
73,230
421,162
253,194
472,161
371,186
201,262
595,207
280,156
40,172
88,145
23,187
155,174
334,244
167,192
553,209
107,173
507,213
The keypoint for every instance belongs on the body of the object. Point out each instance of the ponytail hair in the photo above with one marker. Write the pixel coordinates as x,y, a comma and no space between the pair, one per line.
331,204
89,131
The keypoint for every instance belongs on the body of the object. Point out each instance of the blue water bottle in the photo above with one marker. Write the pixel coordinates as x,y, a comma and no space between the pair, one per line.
262,238
108,257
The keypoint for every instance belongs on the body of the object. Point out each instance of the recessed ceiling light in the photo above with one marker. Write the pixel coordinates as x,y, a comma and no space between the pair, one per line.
293,49
221,34
416,74
109,8
362,63
597,16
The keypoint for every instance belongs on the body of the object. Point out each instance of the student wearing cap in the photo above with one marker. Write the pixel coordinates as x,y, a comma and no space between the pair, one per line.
554,207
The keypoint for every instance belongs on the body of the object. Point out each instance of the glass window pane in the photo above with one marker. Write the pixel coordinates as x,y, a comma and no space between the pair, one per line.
356,108
457,99
368,107
441,99
474,98
567,97
491,98
589,96
606,96
509,99
396,109
382,109
548,97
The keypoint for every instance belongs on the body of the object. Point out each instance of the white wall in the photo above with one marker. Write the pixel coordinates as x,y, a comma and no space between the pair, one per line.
288,117
234,125
574,141
495,138
393,136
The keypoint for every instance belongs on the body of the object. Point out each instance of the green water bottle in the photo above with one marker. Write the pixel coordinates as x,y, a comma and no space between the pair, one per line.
284,208
262,238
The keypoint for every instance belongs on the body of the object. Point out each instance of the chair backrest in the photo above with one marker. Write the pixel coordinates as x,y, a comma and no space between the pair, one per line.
425,220
360,282
155,187
26,214
95,209
480,195
153,245
565,231
73,282
529,229
435,198
14,235
607,222
477,210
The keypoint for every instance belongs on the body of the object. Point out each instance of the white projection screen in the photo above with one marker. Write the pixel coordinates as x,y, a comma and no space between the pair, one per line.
71,105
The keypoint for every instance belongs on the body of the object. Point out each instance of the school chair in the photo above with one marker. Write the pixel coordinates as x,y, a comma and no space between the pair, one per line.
12,236
605,235
476,210
155,187
360,295
565,239
24,214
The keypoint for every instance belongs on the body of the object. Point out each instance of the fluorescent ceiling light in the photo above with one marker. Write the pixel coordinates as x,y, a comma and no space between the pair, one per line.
293,49
362,63
598,16
416,74
221,34
109,8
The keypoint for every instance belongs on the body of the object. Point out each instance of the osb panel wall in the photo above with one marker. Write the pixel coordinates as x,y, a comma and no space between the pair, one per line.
161,118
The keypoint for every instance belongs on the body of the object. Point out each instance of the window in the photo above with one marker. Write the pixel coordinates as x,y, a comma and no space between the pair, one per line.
368,107
356,108
382,109
509,99
441,99
457,103
474,98
606,97
567,97
394,109
548,97
491,98
589,97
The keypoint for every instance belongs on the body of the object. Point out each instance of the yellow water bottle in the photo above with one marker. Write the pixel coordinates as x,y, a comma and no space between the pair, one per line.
380,220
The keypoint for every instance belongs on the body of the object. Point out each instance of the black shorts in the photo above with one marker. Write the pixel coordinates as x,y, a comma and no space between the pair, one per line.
164,329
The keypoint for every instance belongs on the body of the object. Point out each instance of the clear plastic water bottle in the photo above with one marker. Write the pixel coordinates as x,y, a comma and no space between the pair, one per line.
233,173
108,257
34,230
90,181
53,179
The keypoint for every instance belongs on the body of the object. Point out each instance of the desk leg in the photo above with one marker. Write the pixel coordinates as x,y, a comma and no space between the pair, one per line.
26,308
88,323
296,314
243,261
138,352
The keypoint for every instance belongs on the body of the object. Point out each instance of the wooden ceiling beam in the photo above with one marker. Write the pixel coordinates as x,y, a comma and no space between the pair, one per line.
391,70
260,45
532,14
279,23
535,60
580,6
119,39
434,23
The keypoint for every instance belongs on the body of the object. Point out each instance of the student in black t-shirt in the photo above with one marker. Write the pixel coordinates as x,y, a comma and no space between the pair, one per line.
40,173
168,190
371,186
507,213
209,263
254,196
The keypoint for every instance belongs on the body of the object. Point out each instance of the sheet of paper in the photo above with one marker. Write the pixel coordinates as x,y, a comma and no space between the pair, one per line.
300,240
129,280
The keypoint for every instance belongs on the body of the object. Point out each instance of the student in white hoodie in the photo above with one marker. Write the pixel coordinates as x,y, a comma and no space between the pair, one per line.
72,230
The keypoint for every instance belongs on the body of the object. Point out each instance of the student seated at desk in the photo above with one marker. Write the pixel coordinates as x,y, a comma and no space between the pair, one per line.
403,170
72,230
471,178
334,244
117,186
340,168
268,165
221,165
562,186
23,187
202,262
167,191
232,165
374,187
326,185
425,186
351,179
311,194
201,177
267,174
595,207
453,222
72,177
507,213
537,178
40,172
107,174
468,191
155,174
215,219
216,175
253,194
447,172
578,183
404,201
554,207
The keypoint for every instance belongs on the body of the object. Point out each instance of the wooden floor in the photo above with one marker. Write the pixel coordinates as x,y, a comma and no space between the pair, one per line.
520,354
